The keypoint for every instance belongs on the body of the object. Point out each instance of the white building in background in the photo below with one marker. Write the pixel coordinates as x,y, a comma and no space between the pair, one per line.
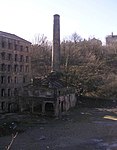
111,40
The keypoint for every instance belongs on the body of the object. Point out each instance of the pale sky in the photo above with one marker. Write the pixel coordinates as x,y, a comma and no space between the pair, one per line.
89,18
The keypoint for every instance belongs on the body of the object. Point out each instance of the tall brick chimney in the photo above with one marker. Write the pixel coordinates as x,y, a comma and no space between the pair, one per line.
56,44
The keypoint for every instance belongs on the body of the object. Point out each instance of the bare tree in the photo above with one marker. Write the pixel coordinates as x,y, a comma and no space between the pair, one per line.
41,56
75,37
40,39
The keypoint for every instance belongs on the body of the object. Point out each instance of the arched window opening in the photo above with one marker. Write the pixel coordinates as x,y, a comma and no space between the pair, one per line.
49,108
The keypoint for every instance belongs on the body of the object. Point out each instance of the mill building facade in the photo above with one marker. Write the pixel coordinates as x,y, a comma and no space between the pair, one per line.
15,68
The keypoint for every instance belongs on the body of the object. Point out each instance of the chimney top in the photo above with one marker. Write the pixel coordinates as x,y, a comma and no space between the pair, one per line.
57,15
112,33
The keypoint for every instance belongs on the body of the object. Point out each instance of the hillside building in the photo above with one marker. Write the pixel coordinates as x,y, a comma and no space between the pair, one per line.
111,40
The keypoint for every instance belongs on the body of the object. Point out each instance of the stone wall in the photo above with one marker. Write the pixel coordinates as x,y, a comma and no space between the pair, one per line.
64,103
93,102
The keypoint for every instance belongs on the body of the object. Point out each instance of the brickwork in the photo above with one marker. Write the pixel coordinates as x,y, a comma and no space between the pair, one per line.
56,44
15,66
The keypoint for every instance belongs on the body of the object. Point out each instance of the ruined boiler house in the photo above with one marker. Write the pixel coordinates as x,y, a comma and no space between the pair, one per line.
15,69
50,94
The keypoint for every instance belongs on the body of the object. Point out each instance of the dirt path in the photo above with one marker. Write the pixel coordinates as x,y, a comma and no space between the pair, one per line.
80,129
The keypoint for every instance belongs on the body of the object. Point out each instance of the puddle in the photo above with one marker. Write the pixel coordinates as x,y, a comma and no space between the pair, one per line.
110,117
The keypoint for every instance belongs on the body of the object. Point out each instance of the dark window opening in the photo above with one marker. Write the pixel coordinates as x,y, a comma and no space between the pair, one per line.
2,79
16,57
3,55
15,68
21,68
15,79
62,107
9,45
21,48
15,92
27,48
9,68
2,92
49,108
3,44
21,58
24,79
3,67
9,92
16,46
27,68
13,107
27,59
3,105
9,79
9,57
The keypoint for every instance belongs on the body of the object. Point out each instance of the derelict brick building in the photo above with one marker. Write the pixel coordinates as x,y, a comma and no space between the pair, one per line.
15,67
49,94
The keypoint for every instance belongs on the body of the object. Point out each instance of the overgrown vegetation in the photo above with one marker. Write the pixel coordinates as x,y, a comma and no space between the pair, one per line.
84,62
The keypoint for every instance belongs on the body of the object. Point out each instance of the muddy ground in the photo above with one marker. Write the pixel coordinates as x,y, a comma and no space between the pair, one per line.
79,129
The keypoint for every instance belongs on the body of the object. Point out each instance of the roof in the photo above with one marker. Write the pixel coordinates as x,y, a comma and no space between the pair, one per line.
12,36
51,81
111,36
48,83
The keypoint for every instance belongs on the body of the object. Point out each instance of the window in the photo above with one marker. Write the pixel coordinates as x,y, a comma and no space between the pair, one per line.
9,45
3,67
9,79
27,68
21,58
15,92
21,48
16,46
27,48
27,59
15,68
3,55
16,57
24,79
9,57
2,92
3,44
15,79
9,92
3,105
9,68
2,79
21,68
